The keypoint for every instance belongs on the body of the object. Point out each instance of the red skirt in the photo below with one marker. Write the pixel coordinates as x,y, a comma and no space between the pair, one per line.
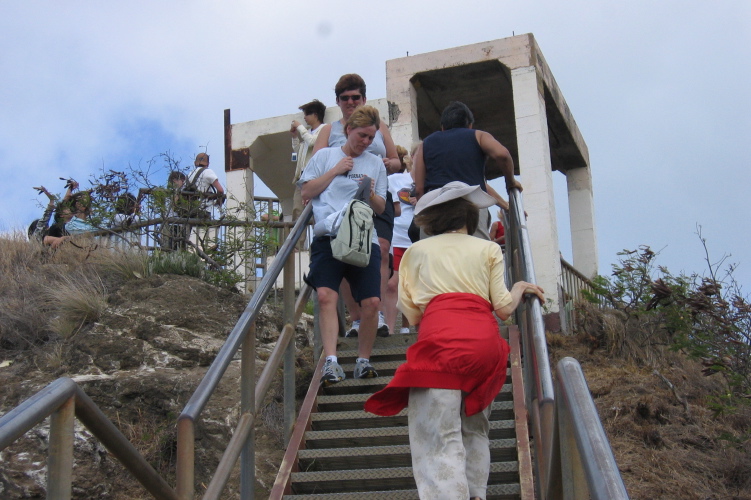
459,347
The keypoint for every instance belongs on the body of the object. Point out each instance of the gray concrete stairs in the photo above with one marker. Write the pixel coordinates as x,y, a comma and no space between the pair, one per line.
347,453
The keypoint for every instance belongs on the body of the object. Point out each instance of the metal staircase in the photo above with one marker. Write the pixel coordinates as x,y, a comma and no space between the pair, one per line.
346,453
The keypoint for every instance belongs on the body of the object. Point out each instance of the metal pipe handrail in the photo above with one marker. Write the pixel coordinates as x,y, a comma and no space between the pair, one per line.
538,380
544,382
215,372
49,400
573,458
591,470
197,402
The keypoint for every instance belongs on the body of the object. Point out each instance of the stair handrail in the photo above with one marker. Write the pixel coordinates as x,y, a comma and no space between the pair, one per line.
538,379
582,462
207,386
573,458
62,400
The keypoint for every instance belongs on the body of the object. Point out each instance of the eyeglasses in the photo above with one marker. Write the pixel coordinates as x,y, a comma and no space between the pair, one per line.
346,98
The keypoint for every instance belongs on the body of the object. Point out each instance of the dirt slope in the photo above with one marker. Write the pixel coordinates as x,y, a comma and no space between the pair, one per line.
140,363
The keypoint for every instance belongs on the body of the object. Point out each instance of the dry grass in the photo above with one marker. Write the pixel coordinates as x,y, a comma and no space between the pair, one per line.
46,294
622,337
77,299
124,264
668,444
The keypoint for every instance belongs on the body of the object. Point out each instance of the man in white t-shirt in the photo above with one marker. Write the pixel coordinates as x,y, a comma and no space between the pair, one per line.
204,180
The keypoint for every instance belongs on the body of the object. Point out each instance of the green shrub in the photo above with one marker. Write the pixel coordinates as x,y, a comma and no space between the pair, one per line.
705,316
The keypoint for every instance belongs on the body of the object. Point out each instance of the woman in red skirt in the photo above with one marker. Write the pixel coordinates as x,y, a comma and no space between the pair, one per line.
450,284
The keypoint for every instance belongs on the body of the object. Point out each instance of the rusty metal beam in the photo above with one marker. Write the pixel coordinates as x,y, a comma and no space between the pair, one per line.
297,440
521,418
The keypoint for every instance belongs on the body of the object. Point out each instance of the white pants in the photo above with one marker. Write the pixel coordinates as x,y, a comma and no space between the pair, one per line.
450,451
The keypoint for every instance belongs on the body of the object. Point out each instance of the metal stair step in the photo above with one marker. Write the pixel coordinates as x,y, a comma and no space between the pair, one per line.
383,436
387,353
351,402
509,491
328,420
384,479
373,457
382,367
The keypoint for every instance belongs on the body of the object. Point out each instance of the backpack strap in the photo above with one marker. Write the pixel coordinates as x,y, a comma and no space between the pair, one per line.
191,186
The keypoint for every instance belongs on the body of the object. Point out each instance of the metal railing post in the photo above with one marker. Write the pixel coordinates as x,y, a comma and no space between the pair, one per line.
248,405
289,353
186,442
60,455
317,343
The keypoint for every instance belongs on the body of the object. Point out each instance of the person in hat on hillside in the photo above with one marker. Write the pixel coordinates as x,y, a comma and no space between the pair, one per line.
450,284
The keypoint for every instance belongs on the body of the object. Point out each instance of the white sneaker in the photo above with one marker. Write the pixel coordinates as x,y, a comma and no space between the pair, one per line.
383,328
354,330
332,373
404,330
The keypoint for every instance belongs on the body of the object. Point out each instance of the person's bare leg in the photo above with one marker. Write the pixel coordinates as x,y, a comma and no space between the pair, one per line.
368,325
327,299
389,302
385,274
352,306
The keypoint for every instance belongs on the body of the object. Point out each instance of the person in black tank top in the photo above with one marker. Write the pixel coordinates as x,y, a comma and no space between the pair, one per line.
458,153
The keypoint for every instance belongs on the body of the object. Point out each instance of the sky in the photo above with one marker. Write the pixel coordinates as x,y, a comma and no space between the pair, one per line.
659,91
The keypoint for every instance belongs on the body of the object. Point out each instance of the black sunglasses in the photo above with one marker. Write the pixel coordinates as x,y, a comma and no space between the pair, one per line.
346,98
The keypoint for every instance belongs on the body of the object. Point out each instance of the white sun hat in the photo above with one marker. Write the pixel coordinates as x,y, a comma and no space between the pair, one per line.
452,191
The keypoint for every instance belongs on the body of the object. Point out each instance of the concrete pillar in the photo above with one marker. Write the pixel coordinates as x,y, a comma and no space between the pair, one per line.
582,215
402,103
240,187
537,180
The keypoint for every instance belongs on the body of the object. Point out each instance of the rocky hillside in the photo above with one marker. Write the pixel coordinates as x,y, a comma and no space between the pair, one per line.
139,347
140,361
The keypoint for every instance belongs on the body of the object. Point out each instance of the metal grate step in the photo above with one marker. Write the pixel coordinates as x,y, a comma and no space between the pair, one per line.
495,492
383,479
501,450
382,436
352,402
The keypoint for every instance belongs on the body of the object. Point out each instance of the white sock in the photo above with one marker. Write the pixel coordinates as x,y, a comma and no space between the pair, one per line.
333,359
364,360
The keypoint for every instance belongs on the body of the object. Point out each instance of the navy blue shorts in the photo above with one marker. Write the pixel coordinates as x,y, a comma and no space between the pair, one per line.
326,271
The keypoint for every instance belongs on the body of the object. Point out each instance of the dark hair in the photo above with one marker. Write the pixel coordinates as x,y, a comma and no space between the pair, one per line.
63,205
350,81
314,107
456,115
33,227
174,176
82,198
125,204
449,216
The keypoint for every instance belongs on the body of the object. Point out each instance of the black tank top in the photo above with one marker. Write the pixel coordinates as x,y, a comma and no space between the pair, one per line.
453,155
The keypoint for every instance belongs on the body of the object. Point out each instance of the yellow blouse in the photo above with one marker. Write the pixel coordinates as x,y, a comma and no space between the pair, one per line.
450,263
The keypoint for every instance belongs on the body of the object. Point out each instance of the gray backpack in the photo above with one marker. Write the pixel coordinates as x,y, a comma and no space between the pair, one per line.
353,240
